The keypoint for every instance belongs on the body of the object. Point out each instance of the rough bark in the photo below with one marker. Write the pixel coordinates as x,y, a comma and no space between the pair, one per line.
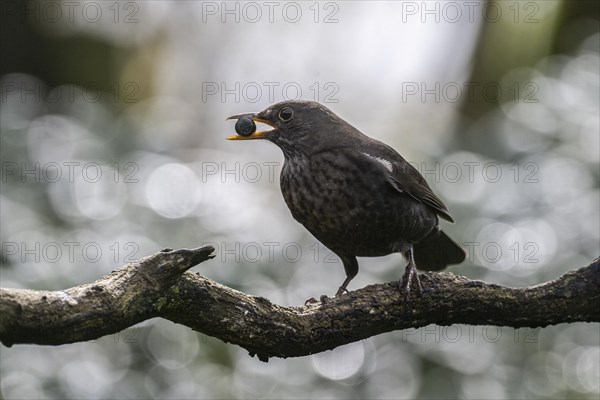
159,286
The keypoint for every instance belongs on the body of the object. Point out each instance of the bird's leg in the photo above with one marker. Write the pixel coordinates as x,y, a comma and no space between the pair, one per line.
342,288
351,268
410,275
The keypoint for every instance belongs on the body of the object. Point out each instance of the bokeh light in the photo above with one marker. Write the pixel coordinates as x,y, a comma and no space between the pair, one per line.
112,147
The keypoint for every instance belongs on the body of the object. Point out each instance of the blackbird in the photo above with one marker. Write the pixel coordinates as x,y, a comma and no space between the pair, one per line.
355,194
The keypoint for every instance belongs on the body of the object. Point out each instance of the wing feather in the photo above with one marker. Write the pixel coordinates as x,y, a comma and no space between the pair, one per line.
406,179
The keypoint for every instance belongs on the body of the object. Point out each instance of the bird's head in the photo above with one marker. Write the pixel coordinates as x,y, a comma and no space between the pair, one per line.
298,126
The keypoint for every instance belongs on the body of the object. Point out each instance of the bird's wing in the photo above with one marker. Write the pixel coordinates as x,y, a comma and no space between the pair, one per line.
405,178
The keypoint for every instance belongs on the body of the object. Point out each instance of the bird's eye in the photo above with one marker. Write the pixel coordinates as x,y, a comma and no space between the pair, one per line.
286,114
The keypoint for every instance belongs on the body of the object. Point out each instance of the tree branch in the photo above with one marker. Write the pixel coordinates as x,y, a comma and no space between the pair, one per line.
159,286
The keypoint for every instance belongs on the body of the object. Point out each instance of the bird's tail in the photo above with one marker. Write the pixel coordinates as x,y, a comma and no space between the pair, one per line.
437,251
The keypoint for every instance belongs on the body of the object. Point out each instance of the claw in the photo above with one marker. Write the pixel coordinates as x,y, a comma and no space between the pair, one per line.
341,291
410,278
312,300
323,299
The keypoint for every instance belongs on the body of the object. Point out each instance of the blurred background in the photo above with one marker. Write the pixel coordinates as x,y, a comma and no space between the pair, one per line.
112,147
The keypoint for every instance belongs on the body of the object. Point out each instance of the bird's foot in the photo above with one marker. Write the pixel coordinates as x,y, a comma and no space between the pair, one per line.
323,299
410,278
312,300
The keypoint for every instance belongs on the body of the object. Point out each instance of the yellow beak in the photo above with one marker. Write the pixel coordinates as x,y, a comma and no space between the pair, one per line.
255,135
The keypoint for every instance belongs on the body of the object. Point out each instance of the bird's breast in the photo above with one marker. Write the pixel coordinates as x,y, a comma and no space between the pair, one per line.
345,204
320,191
